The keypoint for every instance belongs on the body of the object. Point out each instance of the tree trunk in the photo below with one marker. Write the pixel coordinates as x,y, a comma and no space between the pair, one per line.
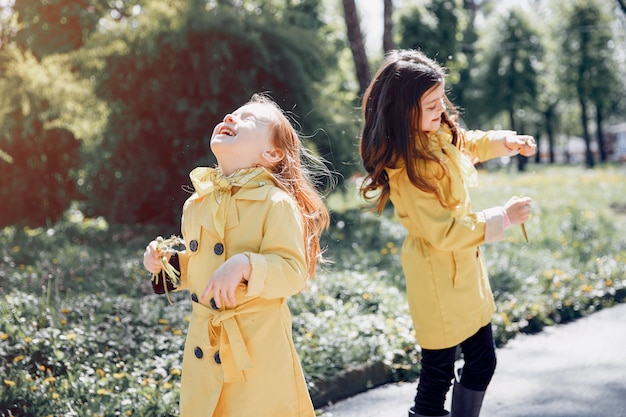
589,161
388,27
549,116
600,133
355,38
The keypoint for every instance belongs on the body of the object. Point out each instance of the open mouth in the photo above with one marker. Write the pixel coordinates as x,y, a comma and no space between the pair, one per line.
226,130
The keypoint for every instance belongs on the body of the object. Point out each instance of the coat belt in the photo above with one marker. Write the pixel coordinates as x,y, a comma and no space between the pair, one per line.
233,350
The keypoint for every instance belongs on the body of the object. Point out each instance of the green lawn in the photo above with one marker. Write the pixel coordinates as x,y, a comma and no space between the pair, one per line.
81,333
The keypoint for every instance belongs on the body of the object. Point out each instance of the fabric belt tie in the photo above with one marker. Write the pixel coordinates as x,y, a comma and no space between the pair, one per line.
233,350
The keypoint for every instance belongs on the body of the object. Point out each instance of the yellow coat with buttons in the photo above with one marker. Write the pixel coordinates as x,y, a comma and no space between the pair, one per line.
447,286
241,361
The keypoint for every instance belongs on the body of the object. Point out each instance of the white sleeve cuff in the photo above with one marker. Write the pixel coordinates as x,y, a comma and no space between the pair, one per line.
494,224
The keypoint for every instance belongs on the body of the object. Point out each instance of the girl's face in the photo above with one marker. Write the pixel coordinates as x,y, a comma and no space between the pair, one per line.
244,139
432,108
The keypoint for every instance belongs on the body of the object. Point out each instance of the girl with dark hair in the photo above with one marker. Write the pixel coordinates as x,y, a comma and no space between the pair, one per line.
419,158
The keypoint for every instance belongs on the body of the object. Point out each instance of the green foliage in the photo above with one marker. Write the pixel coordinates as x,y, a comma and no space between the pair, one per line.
54,26
511,79
588,55
170,83
164,73
40,118
435,31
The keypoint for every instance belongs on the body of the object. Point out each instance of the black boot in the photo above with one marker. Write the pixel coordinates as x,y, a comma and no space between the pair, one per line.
466,402
412,413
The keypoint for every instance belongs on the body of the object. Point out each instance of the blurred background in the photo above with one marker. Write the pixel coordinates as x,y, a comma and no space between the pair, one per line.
106,105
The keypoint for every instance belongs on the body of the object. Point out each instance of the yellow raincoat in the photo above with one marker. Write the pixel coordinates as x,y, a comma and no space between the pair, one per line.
446,281
241,361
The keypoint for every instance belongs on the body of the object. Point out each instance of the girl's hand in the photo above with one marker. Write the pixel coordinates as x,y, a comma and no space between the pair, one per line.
524,144
518,209
152,258
225,280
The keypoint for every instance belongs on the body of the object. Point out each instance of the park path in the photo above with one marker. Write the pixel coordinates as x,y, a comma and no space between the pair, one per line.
571,370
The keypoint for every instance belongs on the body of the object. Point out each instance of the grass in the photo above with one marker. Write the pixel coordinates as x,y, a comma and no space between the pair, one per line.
82,334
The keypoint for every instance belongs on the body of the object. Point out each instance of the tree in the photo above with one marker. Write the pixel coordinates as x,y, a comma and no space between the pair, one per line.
434,30
59,26
171,81
40,103
511,79
588,66
355,39
388,43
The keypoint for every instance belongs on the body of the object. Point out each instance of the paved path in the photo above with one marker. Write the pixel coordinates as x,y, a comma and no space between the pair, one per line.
572,370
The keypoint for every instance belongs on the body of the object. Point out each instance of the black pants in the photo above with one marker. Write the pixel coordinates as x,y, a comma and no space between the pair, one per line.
437,374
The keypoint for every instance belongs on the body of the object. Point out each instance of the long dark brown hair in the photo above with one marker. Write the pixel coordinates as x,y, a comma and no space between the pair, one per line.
391,131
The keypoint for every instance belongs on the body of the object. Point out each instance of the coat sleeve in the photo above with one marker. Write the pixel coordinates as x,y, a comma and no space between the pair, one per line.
424,216
279,268
486,145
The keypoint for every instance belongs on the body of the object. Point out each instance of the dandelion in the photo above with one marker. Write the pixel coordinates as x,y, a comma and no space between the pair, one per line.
18,358
41,368
71,336
177,332
65,310
384,251
366,296
102,391
28,339
100,373
119,375
50,379
608,282
128,413
55,395
4,336
586,288
9,383
589,215
165,246
63,322
162,321
167,385
15,249
505,318
175,371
